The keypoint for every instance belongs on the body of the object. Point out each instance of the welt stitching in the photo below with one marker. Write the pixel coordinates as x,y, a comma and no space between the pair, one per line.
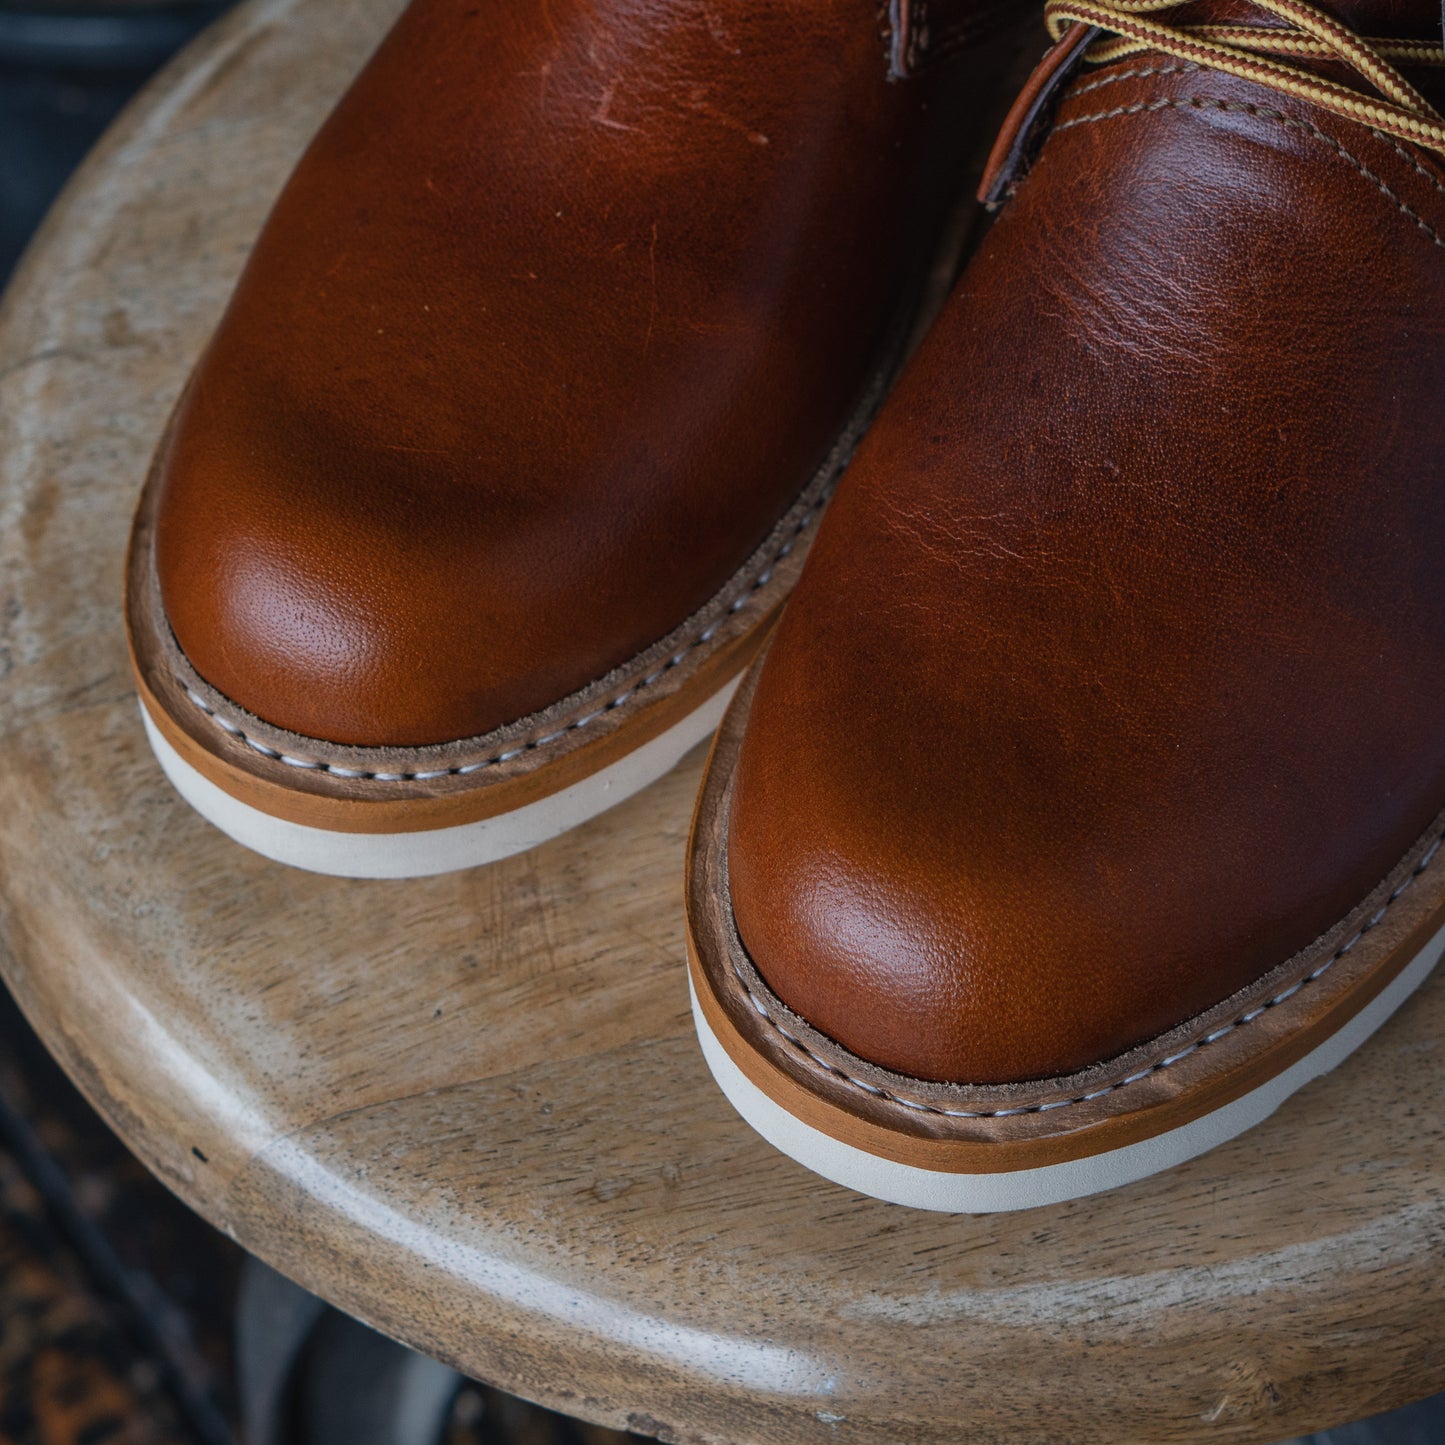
1147,1071
1262,113
314,765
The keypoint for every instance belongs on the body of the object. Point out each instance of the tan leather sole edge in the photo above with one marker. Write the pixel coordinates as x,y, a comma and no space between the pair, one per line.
301,781
392,815
1193,1070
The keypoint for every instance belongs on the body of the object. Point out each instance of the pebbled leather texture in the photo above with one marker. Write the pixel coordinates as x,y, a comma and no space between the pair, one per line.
558,314
1117,672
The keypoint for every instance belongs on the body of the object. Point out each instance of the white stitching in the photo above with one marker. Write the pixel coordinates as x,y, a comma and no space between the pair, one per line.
1406,156
1188,68
677,658
1262,113
1138,1075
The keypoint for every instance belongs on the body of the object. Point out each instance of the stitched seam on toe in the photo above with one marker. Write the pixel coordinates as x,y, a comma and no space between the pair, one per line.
1264,113
629,692
1187,68
1146,1071
1414,161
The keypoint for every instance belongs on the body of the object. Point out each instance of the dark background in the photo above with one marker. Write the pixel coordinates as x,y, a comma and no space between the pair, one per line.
64,73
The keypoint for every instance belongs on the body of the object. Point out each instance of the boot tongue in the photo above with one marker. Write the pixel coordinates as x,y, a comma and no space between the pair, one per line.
1397,19
1380,19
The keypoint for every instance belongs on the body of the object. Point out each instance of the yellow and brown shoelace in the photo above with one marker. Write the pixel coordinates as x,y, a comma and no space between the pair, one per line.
1254,52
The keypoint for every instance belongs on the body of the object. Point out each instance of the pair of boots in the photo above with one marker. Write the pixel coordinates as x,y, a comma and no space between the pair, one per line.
1082,804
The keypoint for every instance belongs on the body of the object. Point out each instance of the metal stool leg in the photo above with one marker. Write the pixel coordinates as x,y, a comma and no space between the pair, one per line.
310,1375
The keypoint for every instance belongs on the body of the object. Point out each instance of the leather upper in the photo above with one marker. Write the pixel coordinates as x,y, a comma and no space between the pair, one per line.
562,308
1117,672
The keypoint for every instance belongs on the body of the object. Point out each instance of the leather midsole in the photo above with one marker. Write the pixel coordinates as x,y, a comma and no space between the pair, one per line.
957,1156
382,814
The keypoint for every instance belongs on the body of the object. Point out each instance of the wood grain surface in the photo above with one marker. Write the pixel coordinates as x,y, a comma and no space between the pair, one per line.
471,1110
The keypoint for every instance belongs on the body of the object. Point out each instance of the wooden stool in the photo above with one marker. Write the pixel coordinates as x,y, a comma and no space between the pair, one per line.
471,1110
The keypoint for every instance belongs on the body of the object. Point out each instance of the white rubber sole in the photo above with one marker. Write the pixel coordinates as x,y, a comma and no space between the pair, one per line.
437,850
1052,1184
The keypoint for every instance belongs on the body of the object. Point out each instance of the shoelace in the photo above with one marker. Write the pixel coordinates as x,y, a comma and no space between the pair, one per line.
1251,52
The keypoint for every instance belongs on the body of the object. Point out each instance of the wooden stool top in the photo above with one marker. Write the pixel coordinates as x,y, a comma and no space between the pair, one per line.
471,1110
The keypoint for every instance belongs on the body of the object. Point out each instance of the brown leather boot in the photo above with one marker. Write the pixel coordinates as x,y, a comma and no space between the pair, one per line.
1087,802
511,441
